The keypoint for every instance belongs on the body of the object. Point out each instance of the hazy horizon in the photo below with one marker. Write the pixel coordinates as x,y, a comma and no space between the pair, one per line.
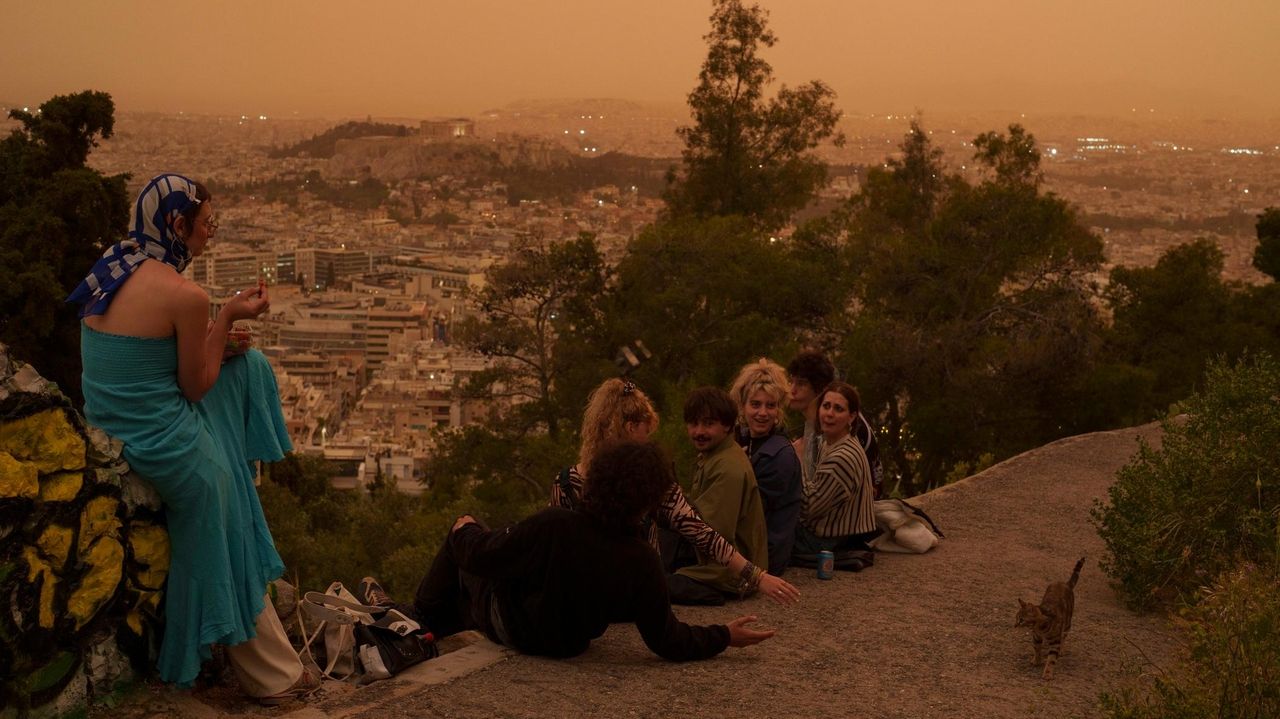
400,58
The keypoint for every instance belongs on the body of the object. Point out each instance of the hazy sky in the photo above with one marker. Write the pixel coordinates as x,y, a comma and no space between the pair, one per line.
407,58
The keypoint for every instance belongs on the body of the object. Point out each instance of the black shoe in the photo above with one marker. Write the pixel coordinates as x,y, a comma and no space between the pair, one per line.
853,560
691,592
804,561
373,594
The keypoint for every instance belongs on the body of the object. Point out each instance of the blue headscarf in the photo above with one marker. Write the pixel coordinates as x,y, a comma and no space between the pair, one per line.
151,236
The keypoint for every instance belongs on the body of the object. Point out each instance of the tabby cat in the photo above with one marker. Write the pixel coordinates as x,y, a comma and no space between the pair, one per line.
1050,620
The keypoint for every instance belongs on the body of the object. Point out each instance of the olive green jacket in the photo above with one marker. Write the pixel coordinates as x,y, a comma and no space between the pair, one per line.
724,493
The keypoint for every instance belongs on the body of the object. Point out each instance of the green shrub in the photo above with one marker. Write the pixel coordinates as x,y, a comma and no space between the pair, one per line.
1232,664
1207,499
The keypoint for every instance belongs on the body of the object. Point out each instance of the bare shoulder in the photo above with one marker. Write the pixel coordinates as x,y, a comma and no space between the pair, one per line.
151,301
165,288
164,280
188,292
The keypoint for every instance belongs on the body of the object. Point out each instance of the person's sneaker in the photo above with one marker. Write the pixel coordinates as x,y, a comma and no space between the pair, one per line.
373,594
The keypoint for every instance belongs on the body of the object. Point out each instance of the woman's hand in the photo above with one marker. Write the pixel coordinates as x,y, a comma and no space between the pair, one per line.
248,304
779,589
741,636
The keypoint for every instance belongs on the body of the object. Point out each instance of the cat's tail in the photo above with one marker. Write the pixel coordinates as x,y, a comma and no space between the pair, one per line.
1076,573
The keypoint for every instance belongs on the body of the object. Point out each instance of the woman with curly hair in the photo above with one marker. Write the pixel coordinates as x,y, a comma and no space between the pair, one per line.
760,393
618,410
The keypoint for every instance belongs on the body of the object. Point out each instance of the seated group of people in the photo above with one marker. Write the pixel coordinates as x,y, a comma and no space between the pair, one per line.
621,541
195,411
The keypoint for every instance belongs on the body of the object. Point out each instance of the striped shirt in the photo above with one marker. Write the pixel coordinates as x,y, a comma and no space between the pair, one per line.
674,513
838,497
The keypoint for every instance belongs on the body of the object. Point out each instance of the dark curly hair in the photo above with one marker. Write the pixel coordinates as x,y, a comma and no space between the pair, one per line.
813,367
628,480
710,403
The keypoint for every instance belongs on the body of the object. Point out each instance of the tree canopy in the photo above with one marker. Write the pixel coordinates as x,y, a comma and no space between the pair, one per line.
1266,258
745,154
56,218
969,318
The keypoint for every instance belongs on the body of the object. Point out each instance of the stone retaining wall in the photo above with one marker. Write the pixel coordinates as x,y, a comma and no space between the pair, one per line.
83,554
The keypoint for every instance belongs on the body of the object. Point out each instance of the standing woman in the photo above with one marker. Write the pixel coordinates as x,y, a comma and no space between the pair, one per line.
760,392
618,410
838,499
193,421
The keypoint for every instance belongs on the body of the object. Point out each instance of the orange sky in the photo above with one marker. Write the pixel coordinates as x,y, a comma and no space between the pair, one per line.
418,58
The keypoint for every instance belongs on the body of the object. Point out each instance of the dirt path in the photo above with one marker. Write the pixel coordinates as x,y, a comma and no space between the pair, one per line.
915,636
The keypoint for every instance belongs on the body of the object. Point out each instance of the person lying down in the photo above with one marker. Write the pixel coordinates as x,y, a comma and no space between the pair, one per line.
556,580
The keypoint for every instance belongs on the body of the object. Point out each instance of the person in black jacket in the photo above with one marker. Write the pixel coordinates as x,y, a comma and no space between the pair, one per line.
553,582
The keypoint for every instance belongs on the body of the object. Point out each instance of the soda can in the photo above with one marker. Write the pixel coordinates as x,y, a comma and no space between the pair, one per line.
826,564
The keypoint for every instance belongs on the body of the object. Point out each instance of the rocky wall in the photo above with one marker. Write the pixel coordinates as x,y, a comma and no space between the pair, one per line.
83,555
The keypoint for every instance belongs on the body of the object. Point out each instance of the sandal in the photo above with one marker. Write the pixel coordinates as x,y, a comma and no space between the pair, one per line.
306,685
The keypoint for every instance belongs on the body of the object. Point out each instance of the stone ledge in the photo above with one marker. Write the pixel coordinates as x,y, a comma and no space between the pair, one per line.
474,654
461,655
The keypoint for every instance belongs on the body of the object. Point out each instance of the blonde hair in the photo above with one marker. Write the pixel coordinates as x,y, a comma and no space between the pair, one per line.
609,408
763,374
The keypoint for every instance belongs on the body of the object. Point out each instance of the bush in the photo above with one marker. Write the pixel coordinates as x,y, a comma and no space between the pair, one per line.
1232,666
325,535
1208,499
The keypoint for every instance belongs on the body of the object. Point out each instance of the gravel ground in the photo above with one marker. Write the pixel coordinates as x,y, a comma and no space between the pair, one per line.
914,636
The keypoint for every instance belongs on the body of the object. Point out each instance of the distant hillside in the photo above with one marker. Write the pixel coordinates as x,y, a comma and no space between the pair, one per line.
526,182
532,168
323,145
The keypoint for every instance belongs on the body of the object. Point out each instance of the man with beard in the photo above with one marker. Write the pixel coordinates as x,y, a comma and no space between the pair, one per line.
724,492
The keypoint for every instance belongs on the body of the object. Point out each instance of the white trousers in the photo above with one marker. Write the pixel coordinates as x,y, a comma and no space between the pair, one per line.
266,664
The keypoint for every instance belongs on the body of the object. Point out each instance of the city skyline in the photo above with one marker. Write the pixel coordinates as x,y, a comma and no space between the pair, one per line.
409,59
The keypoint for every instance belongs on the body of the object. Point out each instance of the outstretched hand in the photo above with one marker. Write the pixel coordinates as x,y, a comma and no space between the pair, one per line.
779,589
742,636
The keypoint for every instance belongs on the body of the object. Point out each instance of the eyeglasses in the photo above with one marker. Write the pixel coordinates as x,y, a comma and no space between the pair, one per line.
211,224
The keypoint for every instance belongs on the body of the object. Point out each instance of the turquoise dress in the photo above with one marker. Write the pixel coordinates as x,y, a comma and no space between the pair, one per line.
199,457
